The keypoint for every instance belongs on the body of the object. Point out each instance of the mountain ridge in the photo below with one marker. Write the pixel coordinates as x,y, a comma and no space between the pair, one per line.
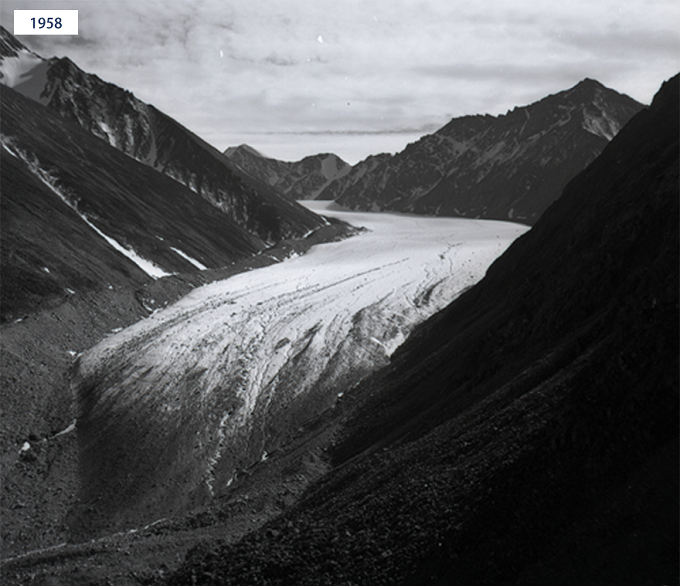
141,131
130,204
510,166
303,179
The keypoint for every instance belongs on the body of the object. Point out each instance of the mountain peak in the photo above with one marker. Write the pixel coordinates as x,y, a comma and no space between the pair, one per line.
509,167
304,179
244,147
589,90
589,82
10,46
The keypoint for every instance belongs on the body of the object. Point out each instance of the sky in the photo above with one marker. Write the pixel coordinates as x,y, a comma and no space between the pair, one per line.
357,77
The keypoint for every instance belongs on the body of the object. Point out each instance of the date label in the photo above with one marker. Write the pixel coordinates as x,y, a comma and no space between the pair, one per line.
45,22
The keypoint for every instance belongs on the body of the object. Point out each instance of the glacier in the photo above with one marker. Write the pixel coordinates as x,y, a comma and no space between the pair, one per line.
195,390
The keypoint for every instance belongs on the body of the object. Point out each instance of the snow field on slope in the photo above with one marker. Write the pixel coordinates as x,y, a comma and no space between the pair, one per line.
319,321
16,70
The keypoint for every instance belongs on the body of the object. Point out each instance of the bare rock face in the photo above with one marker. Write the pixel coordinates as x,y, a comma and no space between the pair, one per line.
360,173
509,167
141,131
303,179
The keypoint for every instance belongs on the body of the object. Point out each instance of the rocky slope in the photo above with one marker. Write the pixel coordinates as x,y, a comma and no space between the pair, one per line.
91,241
505,167
86,234
146,134
527,434
360,173
303,179
78,214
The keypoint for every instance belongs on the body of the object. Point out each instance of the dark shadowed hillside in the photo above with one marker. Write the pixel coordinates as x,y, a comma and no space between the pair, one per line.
64,192
529,433
92,240
77,219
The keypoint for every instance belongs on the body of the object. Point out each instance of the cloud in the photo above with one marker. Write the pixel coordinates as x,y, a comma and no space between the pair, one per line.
229,69
623,44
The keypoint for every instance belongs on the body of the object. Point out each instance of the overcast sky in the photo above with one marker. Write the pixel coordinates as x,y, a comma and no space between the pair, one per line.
298,77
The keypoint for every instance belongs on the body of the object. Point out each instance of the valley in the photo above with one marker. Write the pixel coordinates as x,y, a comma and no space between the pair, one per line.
187,414
174,408
219,368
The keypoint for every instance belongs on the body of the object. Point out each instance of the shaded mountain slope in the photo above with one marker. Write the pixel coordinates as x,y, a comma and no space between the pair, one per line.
33,273
527,434
77,217
303,179
356,176
496,167
141,131
66,196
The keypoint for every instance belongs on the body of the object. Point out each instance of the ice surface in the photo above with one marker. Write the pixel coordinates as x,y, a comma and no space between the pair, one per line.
316,322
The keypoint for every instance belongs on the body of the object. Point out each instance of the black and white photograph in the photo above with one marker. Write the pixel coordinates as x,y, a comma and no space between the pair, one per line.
339,292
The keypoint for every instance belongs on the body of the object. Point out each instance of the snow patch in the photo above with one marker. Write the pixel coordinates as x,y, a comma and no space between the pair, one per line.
26,73
71,428
193,261
49,178
151,269
109,133
603,125
156,522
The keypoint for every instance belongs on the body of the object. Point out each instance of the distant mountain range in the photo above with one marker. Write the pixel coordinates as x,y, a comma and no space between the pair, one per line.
303,179
116,116
509,167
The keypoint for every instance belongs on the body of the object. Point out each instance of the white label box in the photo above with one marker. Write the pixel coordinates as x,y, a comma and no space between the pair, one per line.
45,22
